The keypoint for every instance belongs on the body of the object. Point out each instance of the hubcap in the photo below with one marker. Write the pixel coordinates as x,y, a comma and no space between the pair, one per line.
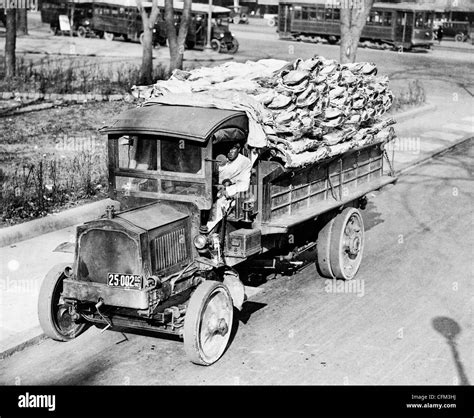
352,243
215,325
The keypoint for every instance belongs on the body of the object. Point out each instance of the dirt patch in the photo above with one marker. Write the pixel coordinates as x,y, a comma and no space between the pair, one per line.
53,159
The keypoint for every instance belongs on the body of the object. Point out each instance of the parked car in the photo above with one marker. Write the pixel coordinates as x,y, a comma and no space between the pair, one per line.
239,14
458,30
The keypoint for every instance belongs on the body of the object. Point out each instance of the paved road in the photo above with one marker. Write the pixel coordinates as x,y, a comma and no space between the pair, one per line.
408,321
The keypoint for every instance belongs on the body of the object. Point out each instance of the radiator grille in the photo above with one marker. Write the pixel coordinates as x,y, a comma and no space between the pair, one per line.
170,249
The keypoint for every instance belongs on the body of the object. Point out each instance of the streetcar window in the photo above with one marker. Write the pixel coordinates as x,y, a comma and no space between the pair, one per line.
387,19
337,14
421,21
312,14
297,14
115,12
328,14
304,13
320,15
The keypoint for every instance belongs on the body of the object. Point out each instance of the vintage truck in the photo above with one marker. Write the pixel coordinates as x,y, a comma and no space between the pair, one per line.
154,265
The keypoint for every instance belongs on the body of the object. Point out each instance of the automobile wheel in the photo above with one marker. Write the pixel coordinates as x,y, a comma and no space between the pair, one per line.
208,323
235,20
459,37
340,245
216,45
142,38
53,313
332,40
109,36
271,22
235,47
81,32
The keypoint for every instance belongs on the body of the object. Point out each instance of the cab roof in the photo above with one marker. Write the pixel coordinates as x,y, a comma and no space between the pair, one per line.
181,122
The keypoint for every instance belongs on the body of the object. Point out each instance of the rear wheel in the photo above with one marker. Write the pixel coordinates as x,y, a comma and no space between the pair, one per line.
53,313
216,45
208,323
340,245
235,46
109,36
459,37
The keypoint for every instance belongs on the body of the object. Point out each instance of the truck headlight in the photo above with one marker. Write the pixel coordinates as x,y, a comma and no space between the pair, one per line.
200,242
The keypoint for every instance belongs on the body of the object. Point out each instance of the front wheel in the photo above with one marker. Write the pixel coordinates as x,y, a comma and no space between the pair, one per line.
459,37
109,36
208,323
53,313
81,32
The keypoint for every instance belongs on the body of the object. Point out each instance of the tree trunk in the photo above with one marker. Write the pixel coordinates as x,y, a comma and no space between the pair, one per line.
22,22
146,76
353,17
148,21
10,43
176,42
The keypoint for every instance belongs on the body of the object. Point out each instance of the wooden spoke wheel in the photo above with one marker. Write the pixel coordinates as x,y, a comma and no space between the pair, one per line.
340,245
81,32
235,47
109,36
53,313
208,323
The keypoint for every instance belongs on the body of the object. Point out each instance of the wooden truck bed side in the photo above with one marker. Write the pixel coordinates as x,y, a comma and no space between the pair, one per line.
288,198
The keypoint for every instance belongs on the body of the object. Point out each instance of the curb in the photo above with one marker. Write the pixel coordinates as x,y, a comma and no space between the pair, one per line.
36,335
53,222
19,342
433,154
407,114
76,97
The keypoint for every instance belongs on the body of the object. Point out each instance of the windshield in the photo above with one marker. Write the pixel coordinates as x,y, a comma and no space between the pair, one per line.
153,164
176,156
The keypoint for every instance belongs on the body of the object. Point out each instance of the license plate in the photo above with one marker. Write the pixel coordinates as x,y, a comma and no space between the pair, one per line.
127,281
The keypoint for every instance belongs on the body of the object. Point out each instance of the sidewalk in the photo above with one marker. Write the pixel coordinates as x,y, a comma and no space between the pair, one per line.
41,42
24,265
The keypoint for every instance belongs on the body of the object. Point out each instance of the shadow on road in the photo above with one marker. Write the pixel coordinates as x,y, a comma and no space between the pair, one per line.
449,329
371,216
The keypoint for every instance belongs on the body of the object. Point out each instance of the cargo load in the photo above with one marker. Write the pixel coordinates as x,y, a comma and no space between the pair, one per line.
304,111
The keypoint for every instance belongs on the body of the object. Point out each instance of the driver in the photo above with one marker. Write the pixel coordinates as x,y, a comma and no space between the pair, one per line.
234,177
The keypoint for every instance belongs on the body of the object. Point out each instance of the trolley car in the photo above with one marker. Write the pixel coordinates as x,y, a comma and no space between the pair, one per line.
402,25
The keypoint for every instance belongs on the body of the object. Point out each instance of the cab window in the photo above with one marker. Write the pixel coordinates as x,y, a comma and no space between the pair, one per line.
137,153
179,156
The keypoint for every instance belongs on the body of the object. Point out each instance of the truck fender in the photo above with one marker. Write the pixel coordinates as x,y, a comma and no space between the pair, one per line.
65,247
236,288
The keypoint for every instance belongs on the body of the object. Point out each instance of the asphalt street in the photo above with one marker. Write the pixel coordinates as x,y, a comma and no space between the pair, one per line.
407,320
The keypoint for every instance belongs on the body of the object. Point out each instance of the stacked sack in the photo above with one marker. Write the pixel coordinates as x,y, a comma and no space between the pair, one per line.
309,109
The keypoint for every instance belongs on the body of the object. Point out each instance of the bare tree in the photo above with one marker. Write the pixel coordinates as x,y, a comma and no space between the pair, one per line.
353,17
176,42
148,20
10,43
